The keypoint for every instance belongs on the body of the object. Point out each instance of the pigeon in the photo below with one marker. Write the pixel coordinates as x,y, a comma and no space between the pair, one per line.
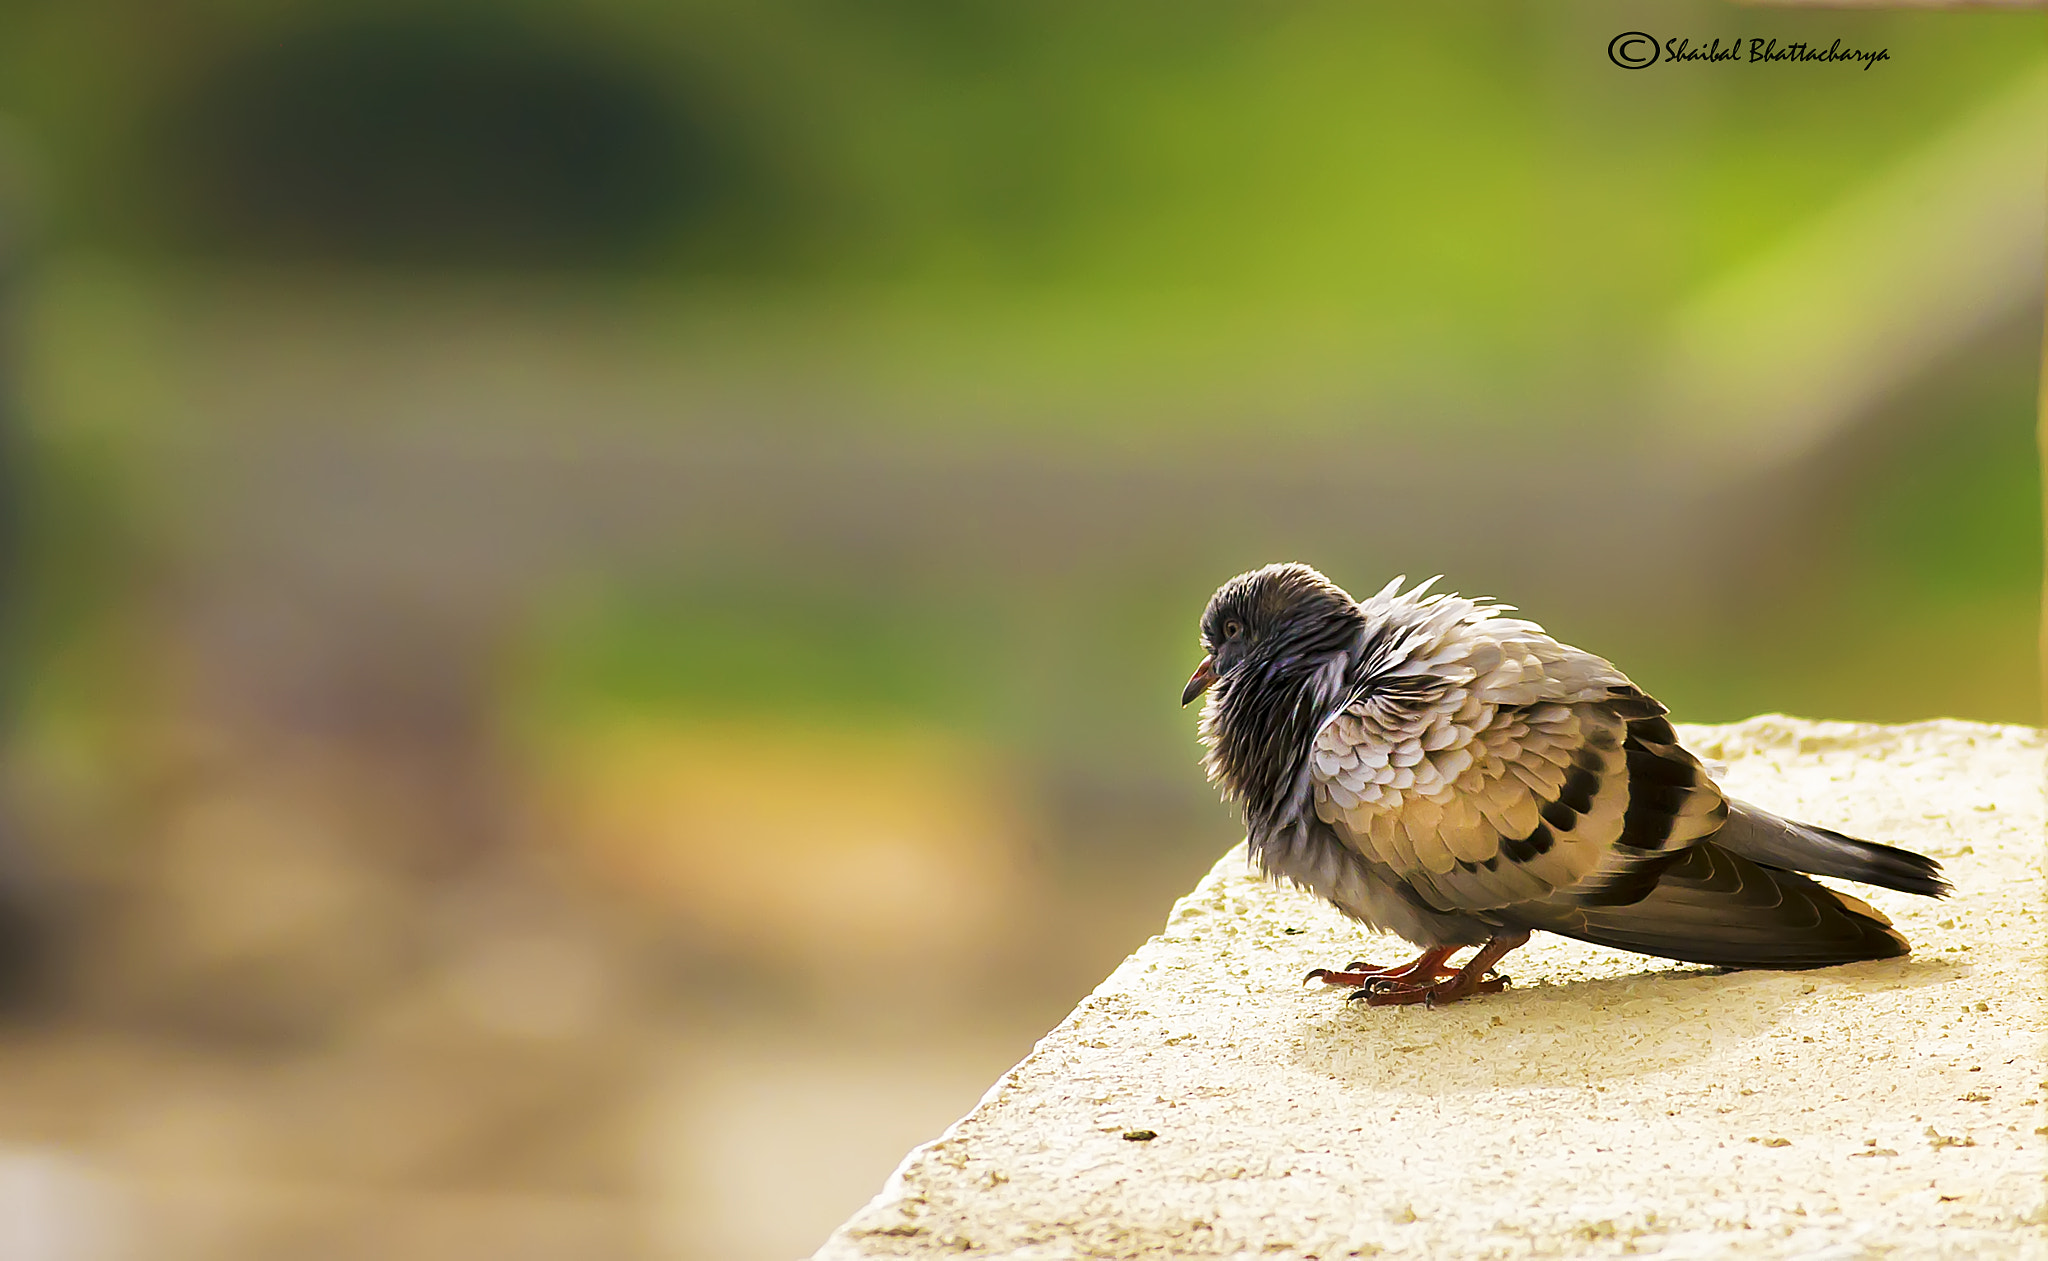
1441,771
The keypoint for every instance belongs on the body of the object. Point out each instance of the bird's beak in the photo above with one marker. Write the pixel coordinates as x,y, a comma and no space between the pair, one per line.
1205,674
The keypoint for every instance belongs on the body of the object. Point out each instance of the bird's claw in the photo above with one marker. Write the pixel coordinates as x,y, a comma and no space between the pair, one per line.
1429,996
1352,974
1349,974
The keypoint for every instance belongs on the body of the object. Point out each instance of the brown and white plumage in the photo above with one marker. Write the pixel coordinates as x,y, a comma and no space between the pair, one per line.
1444,771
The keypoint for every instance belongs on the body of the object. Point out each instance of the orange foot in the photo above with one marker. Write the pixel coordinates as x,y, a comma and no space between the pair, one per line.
1426,968
1425,981
1459,986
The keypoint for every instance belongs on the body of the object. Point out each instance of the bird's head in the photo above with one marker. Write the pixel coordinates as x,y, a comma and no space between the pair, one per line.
1276,640
1274,616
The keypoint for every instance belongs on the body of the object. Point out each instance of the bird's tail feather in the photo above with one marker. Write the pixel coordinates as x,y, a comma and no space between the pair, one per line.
1763,837
1716,907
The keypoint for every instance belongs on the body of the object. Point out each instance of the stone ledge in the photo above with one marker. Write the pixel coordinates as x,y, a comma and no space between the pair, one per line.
1606,1104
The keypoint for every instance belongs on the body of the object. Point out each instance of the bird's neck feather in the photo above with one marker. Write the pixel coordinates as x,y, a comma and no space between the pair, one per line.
1262,726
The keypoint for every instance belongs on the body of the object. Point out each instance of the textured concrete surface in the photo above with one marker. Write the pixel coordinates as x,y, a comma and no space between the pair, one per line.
1605,1104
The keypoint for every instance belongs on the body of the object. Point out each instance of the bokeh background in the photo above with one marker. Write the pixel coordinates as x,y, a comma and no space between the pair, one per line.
594,593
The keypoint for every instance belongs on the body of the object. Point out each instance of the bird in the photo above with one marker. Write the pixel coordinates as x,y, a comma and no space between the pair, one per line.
1437,769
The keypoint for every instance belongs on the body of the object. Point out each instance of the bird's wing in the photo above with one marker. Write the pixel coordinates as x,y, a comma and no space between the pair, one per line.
1709,904
1499,766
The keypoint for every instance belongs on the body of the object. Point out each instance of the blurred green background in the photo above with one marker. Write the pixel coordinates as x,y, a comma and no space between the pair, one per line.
596,592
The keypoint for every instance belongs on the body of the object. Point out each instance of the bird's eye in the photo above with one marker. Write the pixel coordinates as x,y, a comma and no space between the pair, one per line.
1231,630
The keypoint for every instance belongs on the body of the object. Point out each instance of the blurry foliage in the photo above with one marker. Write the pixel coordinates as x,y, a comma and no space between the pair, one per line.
723,649
1354,157
1952,514
1066,675
437,137
1903,577
993,196
65,589
797,840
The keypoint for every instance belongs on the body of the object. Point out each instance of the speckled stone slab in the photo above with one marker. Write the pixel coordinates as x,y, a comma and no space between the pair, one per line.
1605,1104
